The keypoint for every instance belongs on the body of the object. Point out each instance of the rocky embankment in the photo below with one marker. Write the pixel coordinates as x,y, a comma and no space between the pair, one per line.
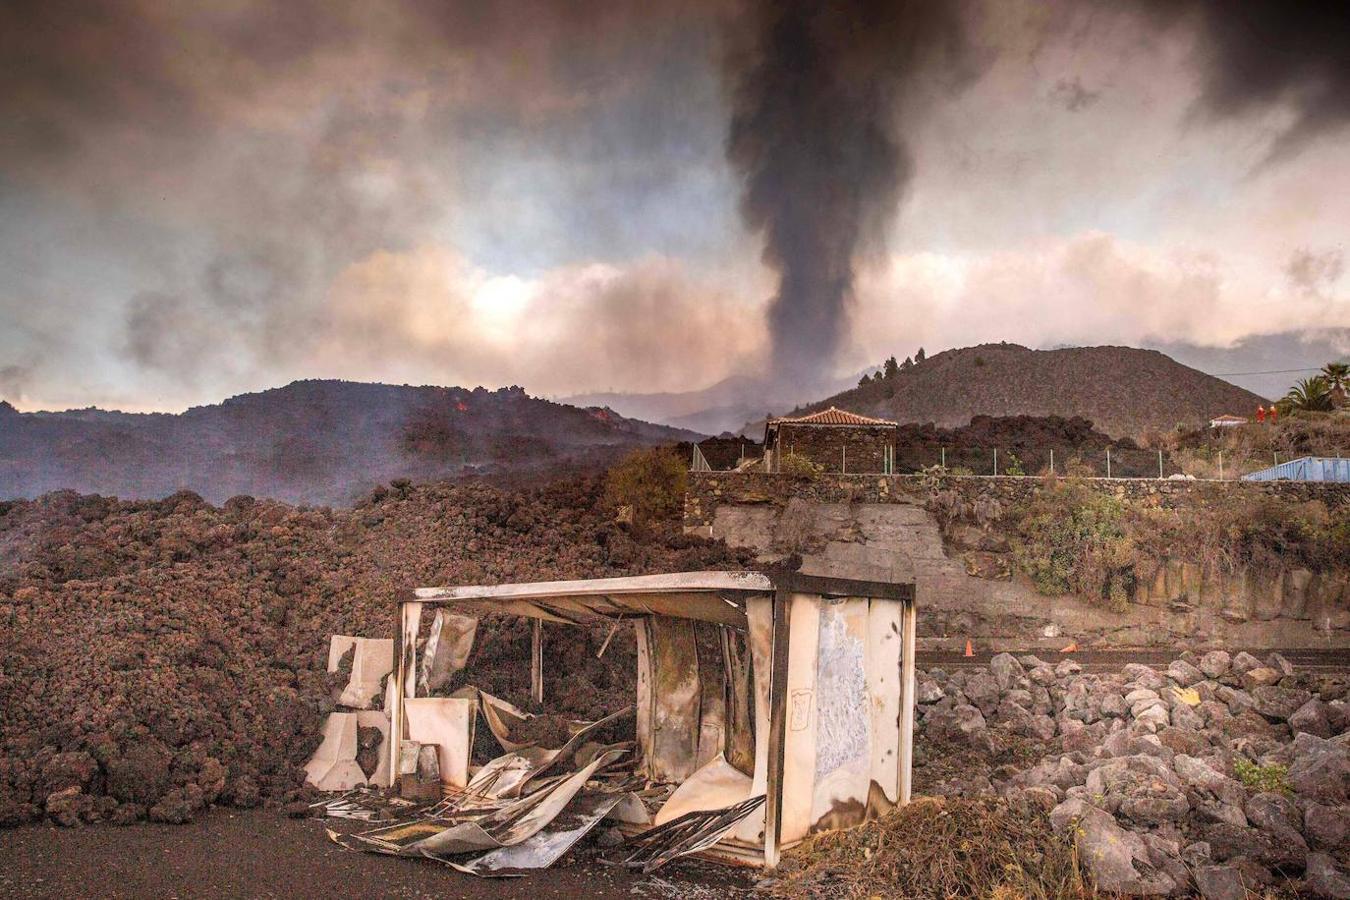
1218,775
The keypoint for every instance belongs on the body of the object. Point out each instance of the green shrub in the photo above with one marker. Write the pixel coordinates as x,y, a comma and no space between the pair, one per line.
932,476
1273,777
797,466
1013,465
1072,539
652,482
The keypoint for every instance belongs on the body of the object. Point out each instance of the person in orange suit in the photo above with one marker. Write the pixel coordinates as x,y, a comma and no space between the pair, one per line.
1274,413
1260,413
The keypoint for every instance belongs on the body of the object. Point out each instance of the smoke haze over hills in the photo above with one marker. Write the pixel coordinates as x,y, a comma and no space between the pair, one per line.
204,200
314,442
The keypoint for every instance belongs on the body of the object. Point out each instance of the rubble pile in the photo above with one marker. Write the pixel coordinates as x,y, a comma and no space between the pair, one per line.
161,656
1221,774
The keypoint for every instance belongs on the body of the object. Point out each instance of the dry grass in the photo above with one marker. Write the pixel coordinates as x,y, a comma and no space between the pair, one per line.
939,848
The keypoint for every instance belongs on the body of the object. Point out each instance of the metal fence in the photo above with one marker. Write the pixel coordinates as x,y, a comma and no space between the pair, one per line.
910,460
1102,463
1096,462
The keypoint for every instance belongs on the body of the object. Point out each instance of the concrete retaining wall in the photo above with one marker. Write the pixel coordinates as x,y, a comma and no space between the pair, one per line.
887,527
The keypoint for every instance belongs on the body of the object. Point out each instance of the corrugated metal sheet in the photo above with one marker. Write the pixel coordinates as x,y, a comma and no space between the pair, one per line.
831,416
1307,468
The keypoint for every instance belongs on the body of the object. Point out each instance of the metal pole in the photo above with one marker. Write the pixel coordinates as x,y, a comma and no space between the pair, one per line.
995,460
396,714
1052,460
1108,462
537,660
1160,474
778,680
908,629
944,457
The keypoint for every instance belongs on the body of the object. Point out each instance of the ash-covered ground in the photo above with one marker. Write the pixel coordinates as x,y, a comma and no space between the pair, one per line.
162,656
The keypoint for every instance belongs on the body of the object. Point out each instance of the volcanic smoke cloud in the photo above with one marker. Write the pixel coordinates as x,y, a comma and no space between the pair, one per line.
1268,52
818,93
824,94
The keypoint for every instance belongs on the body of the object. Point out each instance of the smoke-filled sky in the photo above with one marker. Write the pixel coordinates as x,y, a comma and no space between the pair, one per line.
198,199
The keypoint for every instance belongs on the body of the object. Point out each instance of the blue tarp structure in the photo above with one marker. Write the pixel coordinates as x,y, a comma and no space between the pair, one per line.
1307,468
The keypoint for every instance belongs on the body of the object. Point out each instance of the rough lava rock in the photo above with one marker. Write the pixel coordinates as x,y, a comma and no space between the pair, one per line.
1278,703
1327,827
163,655
1321,769
1216,663
1326,878
1117,860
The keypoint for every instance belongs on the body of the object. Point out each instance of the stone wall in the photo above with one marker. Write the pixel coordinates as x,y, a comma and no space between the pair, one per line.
709,489
838,448
945,536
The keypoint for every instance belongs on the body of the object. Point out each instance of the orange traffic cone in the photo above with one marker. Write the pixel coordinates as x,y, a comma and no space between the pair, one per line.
1072,648
970,651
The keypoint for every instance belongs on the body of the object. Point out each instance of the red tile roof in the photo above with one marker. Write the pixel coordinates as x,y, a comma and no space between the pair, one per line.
832,416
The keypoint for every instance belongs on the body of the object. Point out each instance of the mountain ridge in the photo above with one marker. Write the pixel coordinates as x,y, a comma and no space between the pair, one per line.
1123,391
314,441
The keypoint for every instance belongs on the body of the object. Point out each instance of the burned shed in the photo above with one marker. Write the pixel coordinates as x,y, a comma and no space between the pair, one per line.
801,719
835,439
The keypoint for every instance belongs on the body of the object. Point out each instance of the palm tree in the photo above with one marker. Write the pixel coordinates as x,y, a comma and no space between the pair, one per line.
1310,394
1337,375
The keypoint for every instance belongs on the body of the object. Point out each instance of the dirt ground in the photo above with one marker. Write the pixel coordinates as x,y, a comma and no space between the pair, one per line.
263,854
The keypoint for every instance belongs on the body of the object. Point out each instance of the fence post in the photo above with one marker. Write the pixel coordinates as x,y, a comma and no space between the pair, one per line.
1160,474
1052,460
995,460
944,457
1108,462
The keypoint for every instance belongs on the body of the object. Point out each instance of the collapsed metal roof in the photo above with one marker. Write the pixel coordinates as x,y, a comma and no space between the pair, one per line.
809,725
703,596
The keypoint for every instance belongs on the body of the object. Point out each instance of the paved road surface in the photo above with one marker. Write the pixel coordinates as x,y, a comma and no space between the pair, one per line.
261,853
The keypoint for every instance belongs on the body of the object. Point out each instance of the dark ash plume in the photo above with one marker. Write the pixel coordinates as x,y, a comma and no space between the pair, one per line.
820,94
1262,53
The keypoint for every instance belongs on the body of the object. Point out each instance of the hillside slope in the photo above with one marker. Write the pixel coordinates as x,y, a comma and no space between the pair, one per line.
315,442
1123,391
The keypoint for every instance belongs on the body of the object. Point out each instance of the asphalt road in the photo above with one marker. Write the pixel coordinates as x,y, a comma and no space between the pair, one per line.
262,854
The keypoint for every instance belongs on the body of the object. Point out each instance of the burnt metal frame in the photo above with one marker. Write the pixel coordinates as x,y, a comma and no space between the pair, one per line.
785,584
